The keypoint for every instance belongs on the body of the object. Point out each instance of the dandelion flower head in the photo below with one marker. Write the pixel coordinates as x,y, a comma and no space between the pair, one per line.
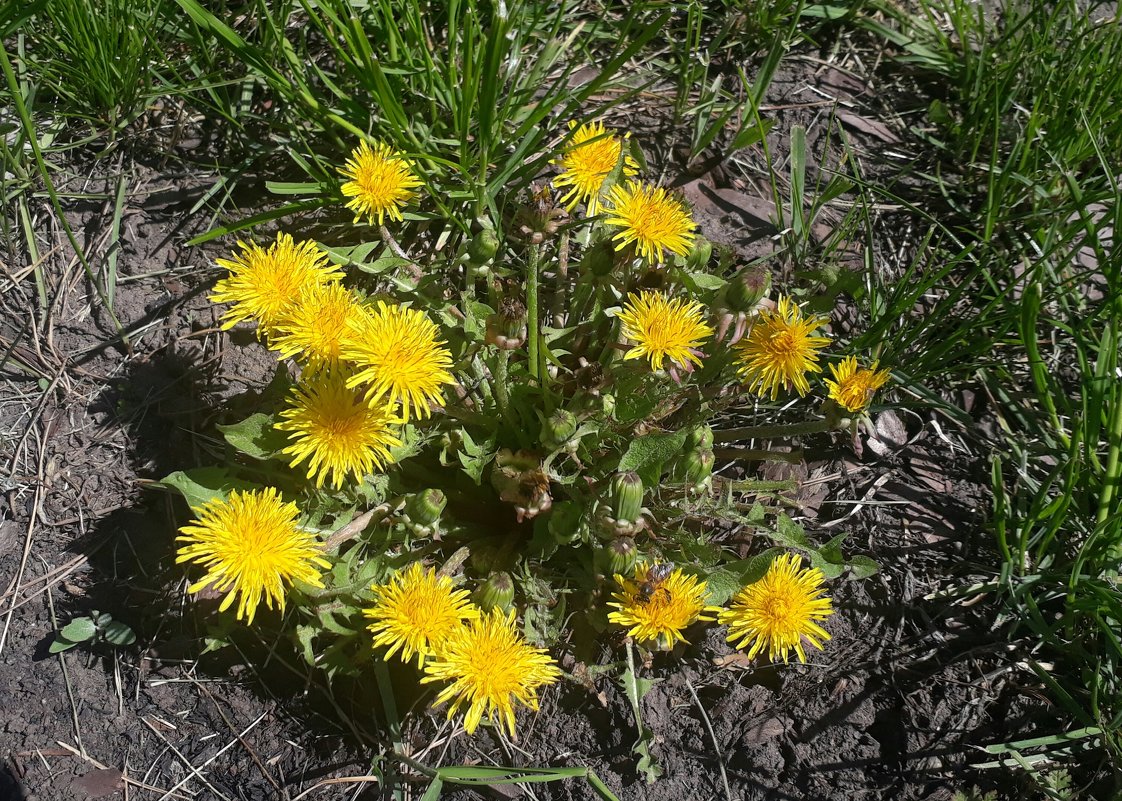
380,182
251,548
780,611
650,218
416,612
779,350
490,667
396,354
663,328
335,431
591,156
313,327
265,282
853,387
663,613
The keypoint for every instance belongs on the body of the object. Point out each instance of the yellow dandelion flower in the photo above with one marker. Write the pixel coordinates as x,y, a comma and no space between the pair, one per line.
264,282
490,667
336,431
589,159
396,353
779,350
381,182
416,612
663,328
251,548
853,387
312,328
779,611
660,610
650,218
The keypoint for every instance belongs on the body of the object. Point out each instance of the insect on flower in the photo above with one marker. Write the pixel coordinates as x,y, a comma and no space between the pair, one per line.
656,575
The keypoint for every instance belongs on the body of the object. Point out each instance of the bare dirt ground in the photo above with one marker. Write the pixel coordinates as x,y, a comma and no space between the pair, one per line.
894,707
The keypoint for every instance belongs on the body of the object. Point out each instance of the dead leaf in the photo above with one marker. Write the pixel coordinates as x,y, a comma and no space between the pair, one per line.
889,434
761,732
735,659
100,783
874,128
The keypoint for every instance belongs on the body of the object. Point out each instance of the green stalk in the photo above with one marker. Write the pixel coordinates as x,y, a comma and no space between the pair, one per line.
501,386
1113,473
769,432
533,324
751,485
389,704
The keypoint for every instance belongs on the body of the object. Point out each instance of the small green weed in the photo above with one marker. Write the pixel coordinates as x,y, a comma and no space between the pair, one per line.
96,628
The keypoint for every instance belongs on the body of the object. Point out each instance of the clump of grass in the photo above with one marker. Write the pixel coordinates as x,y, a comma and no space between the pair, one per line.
96,59
1028,134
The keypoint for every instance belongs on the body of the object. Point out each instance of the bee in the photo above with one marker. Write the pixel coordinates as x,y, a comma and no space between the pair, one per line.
656,574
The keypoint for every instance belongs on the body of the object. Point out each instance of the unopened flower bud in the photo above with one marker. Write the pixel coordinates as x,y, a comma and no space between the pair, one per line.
558,428
425,508
564,523
698,257
626,496
698,468
497,592
617,557
484,245
700,437
747,288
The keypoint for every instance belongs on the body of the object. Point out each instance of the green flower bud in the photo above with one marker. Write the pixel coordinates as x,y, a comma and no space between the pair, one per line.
626,496
698,467
700,253
565,524
747,288
700,438
600,259
484,246
425,508
608,405
617,556
497,592
558,429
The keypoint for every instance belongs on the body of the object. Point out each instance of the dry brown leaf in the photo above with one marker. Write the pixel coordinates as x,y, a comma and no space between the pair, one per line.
761,732
100,783
735,659
865,125
889,435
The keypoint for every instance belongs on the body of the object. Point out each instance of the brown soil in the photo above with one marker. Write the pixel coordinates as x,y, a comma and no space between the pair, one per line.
893,708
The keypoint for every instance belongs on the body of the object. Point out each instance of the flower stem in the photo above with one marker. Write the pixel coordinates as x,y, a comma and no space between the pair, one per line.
501,383
392,244
389,705
561,289
533,328
772,431
751,485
